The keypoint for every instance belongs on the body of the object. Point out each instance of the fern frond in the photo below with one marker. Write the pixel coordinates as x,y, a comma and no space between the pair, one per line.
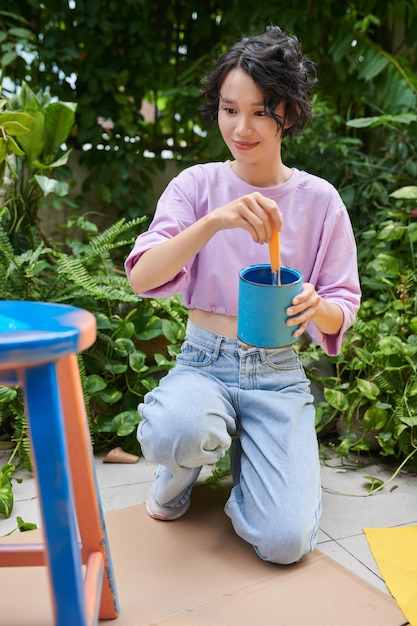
76,295
6,248
83,378
74,270
389,381
90,253
21,435
105,240
174,307
407,442
360,326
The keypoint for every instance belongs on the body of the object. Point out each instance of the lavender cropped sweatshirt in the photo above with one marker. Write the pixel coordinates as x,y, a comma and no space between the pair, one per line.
317,239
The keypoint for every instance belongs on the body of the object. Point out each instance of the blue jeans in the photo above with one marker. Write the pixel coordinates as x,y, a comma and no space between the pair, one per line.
220,388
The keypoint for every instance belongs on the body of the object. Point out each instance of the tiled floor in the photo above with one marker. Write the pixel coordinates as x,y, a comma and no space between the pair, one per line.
347,507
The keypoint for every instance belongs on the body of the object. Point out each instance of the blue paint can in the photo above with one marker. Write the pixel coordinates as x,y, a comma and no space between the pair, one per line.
262,306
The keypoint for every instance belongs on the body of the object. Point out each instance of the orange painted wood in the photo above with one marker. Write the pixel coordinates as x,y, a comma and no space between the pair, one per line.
39,343
89,515
93,582
22,554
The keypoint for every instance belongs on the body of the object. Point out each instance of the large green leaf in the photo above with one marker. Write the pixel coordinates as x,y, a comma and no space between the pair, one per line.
59,119
3,149
8,58
95,383
409,420
13,147
152,329
171,330
124,423
386,264
124,346
409,192
391,345
49,185
382,120
372,65
137,361
336,399
110,396
6,492
7,394
368,388
412,389
32,143
15,128
375,418
115,367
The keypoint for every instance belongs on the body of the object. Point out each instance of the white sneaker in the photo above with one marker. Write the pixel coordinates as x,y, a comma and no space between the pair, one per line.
165,513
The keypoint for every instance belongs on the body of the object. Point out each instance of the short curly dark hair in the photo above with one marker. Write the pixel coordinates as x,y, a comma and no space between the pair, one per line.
276,64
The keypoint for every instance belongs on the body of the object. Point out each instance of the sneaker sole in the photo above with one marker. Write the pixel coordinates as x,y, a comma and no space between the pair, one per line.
168,518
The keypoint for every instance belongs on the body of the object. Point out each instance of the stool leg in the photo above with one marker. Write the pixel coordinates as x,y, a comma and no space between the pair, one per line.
56,499
87,496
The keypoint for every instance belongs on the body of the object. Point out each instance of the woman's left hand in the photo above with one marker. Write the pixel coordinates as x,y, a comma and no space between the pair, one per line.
304,307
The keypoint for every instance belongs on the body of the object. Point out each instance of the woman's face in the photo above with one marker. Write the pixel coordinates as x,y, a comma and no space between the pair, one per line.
248,130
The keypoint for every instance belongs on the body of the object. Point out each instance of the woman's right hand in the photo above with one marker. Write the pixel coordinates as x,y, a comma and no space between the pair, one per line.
253,212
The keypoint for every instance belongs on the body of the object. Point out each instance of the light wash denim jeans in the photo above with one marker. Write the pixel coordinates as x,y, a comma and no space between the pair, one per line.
221,387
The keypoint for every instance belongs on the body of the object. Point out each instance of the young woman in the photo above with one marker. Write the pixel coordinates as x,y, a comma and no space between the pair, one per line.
211,221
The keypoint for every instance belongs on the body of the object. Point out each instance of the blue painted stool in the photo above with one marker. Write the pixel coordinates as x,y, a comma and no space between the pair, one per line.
38,352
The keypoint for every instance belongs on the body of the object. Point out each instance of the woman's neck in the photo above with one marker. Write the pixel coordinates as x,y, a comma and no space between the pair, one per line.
261,177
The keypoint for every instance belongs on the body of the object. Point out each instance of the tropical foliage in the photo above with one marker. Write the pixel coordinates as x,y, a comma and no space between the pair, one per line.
76,268
124,102
136,81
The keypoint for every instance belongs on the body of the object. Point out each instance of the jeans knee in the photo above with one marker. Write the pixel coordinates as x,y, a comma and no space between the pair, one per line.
278,534
283,548
190,443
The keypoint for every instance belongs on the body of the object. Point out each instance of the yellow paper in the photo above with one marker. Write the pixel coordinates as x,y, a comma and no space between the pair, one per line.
395,552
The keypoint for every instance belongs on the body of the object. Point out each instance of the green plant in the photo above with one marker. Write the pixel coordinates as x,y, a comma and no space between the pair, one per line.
12,416
76,267
122,367
34,128
370,402
139,104
373,395
119,368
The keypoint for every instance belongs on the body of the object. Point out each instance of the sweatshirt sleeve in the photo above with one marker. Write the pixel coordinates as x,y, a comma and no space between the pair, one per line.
335,275
174,213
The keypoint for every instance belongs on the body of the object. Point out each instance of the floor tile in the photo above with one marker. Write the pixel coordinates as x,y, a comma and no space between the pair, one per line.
358,547
336,551
348,507
116,474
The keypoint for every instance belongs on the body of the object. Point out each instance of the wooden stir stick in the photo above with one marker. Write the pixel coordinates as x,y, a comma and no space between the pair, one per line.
275,257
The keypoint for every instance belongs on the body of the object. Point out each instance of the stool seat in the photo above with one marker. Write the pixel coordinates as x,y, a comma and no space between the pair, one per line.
39,342
37,332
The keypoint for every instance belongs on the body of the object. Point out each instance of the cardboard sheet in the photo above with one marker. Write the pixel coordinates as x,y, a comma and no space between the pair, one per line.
197,572
395,551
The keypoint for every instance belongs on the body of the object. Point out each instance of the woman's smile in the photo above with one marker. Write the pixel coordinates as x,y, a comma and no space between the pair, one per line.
244,145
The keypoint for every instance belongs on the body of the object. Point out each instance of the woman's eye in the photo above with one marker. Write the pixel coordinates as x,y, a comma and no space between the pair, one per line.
261,113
